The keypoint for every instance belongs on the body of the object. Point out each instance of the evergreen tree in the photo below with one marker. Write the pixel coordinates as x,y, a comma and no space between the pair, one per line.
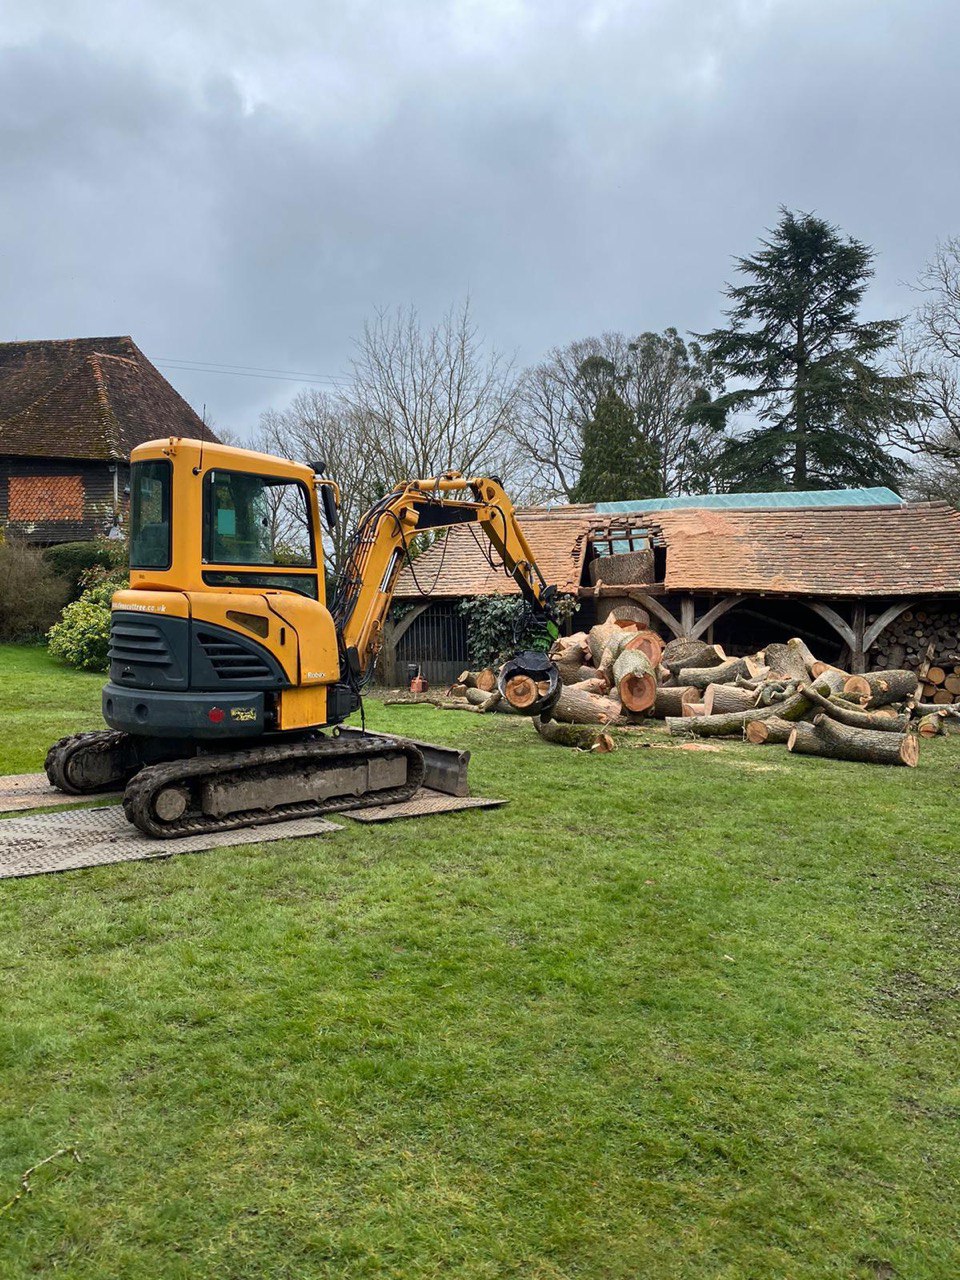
806,367
616,462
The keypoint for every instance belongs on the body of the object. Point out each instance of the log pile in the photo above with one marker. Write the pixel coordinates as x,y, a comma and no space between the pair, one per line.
925,640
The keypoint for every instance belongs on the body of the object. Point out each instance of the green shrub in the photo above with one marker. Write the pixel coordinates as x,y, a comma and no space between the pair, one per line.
500,626
74,560
82,636
31,595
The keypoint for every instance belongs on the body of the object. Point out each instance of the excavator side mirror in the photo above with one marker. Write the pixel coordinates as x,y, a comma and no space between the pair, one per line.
329,500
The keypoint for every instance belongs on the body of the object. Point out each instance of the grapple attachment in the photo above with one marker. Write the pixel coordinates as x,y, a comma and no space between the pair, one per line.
530,682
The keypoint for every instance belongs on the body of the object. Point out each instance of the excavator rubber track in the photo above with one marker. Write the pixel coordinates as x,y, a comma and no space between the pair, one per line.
86,763
222,792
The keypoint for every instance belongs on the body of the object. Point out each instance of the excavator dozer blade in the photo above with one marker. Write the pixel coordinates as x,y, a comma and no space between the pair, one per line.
445,767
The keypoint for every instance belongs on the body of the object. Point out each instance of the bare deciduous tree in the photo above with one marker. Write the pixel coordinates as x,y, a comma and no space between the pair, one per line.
929,349
319,427
433,399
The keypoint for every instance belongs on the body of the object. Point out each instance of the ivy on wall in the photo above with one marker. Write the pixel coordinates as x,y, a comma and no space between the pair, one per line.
500,626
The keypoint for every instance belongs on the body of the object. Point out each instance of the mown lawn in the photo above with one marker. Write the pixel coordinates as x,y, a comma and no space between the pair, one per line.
672,1013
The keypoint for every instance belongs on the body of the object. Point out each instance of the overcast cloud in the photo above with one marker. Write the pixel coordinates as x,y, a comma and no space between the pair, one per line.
244,182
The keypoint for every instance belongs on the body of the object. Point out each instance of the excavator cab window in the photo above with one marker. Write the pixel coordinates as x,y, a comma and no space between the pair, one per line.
256,520
150,486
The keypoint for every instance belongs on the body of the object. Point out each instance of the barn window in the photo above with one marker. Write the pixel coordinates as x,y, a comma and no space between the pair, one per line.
38,499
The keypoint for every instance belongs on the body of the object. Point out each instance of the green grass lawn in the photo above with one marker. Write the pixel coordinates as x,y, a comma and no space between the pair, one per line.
672,1013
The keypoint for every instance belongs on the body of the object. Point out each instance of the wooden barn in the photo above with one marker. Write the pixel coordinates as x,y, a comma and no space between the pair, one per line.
867,586
70,413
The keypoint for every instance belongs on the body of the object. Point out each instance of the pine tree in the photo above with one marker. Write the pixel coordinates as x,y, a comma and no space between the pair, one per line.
806,367
617,464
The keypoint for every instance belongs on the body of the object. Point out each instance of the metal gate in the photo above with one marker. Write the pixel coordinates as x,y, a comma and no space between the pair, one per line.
437,641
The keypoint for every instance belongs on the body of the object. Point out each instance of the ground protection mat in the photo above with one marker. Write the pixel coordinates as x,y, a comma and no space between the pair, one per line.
420,805
43,842
19,791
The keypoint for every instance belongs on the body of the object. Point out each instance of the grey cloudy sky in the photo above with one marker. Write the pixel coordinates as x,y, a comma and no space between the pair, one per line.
244,182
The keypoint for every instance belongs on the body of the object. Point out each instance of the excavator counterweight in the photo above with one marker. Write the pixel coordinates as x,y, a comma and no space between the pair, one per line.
229,674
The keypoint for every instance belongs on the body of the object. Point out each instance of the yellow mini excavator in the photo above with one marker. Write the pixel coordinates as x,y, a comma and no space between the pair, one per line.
226,662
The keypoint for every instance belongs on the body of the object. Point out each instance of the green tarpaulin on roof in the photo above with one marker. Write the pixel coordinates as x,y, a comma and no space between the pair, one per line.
879,497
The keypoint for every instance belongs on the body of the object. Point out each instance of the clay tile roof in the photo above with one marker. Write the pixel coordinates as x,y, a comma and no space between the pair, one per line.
457,566
86,398
908,549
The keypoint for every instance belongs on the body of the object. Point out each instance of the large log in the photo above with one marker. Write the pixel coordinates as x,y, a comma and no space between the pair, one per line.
574,707
723,673
583,736
827,737
683,652
636,680
649,644
772,730
594,683
880,688
876,720
600,637
671,701
801,651
718,698
485,679
785,661
569,653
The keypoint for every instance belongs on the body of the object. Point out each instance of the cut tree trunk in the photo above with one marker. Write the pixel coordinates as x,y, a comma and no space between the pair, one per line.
682,653
724,673
930,726
484,701
574,707
786,662
800,649
600,637
769,731
827,737
877,720
593,684
880,688
718,698
636,680
649,644
520,692
671,701
568,653
485,679
692,711
583,736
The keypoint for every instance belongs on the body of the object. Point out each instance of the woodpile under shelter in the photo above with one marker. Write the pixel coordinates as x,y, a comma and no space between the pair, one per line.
868,580
70,413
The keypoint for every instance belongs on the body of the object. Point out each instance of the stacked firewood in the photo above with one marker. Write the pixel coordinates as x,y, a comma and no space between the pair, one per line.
926,640
619,673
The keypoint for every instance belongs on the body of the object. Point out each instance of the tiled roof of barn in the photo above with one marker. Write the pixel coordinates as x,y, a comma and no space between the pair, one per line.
457,564
902,549
912,548
91,398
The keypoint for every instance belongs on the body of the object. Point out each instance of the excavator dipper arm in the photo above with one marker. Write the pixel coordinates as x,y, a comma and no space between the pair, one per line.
382,542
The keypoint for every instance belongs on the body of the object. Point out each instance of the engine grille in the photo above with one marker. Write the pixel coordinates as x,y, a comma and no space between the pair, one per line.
139,644
231,662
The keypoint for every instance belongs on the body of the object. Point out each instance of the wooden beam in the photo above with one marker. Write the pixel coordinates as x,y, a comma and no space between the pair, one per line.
628,590
710,617
877,627
688,614
833,619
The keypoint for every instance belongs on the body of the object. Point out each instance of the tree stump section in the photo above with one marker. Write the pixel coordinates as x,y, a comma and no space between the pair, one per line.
575,707
636,680
770,731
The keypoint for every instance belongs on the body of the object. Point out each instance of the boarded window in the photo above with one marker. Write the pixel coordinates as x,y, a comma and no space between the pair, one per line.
36,499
